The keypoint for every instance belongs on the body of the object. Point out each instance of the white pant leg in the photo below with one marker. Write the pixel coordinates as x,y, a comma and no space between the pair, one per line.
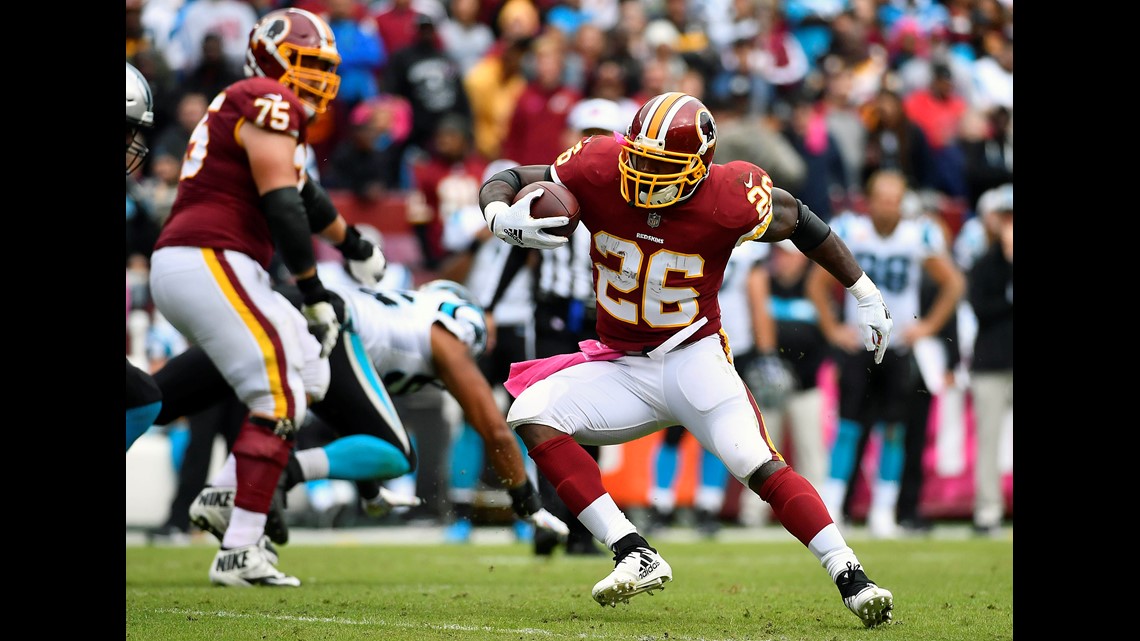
225,303
993,397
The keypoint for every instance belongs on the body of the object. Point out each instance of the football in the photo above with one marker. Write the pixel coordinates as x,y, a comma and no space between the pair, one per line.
555,200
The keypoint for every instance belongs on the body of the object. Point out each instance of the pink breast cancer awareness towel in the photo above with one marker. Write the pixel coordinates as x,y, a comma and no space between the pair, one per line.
527,373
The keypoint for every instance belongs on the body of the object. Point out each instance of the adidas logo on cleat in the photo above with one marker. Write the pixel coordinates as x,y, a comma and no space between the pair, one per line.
647,567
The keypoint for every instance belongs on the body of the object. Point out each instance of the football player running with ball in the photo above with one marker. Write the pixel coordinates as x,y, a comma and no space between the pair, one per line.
664,220
244,195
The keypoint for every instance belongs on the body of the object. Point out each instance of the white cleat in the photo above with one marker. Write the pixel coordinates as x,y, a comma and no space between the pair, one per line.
642,570
248,566
872,604
213,507
381,505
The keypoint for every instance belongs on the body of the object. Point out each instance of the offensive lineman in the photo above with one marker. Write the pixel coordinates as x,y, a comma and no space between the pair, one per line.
244,194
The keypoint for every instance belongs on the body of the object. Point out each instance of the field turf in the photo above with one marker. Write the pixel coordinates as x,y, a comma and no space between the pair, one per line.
945,590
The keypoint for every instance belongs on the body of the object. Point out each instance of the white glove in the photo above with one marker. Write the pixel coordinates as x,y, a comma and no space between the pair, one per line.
547,521
875,324
514,224
370,270
323,324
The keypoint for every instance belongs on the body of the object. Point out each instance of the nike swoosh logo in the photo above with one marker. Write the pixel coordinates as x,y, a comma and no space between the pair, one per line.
275,96
748,184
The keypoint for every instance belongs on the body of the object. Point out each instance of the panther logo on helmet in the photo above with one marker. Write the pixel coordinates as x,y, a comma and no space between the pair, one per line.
669,149
297,49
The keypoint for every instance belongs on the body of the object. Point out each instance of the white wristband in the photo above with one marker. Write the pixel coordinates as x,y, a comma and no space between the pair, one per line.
863,287
492,209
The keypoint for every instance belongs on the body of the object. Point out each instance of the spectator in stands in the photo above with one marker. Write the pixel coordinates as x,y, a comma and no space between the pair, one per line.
825,181
744,135
541,108
397,23
895,142
851,40
213,72
365,162
987,144
432,83
692,42
611,82
938,111
173,139
844,121
493,87
157,191
230,19
445,181
993,72
362,58
465,38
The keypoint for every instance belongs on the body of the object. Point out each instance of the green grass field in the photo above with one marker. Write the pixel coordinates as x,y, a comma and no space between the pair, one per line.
944,590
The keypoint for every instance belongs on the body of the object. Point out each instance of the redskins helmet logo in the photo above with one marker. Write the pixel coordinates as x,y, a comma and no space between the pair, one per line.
275,30
706,128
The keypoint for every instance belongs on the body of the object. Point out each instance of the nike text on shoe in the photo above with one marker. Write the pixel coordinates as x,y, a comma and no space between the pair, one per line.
868,601
212,509
642,570
246,567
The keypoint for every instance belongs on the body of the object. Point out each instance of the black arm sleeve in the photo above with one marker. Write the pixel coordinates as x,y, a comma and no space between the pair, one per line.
289,225
318,206
810,230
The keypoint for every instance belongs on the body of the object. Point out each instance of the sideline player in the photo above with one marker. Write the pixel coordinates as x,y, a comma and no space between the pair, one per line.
664,221
244,194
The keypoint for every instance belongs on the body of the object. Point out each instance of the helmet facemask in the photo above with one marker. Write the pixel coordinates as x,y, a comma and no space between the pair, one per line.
311,75
136,150
658,178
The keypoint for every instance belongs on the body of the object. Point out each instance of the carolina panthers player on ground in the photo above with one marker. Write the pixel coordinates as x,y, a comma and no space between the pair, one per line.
393,342
664,221
144,400
244,194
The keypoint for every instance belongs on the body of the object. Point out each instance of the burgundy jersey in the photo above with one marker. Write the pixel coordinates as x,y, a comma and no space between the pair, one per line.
659,270
218,205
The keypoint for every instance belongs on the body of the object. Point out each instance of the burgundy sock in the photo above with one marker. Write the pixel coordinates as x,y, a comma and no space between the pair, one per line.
261,455
796,503
573,472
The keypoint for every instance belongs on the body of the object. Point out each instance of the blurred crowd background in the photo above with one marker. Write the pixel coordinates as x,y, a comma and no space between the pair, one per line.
820,93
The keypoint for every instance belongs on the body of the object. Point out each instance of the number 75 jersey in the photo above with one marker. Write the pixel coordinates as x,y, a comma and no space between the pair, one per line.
657,271
218,204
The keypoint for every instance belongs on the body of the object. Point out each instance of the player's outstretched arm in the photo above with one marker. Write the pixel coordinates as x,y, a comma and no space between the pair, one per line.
463,379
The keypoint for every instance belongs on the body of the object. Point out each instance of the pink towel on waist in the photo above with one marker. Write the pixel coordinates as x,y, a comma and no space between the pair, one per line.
527,373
